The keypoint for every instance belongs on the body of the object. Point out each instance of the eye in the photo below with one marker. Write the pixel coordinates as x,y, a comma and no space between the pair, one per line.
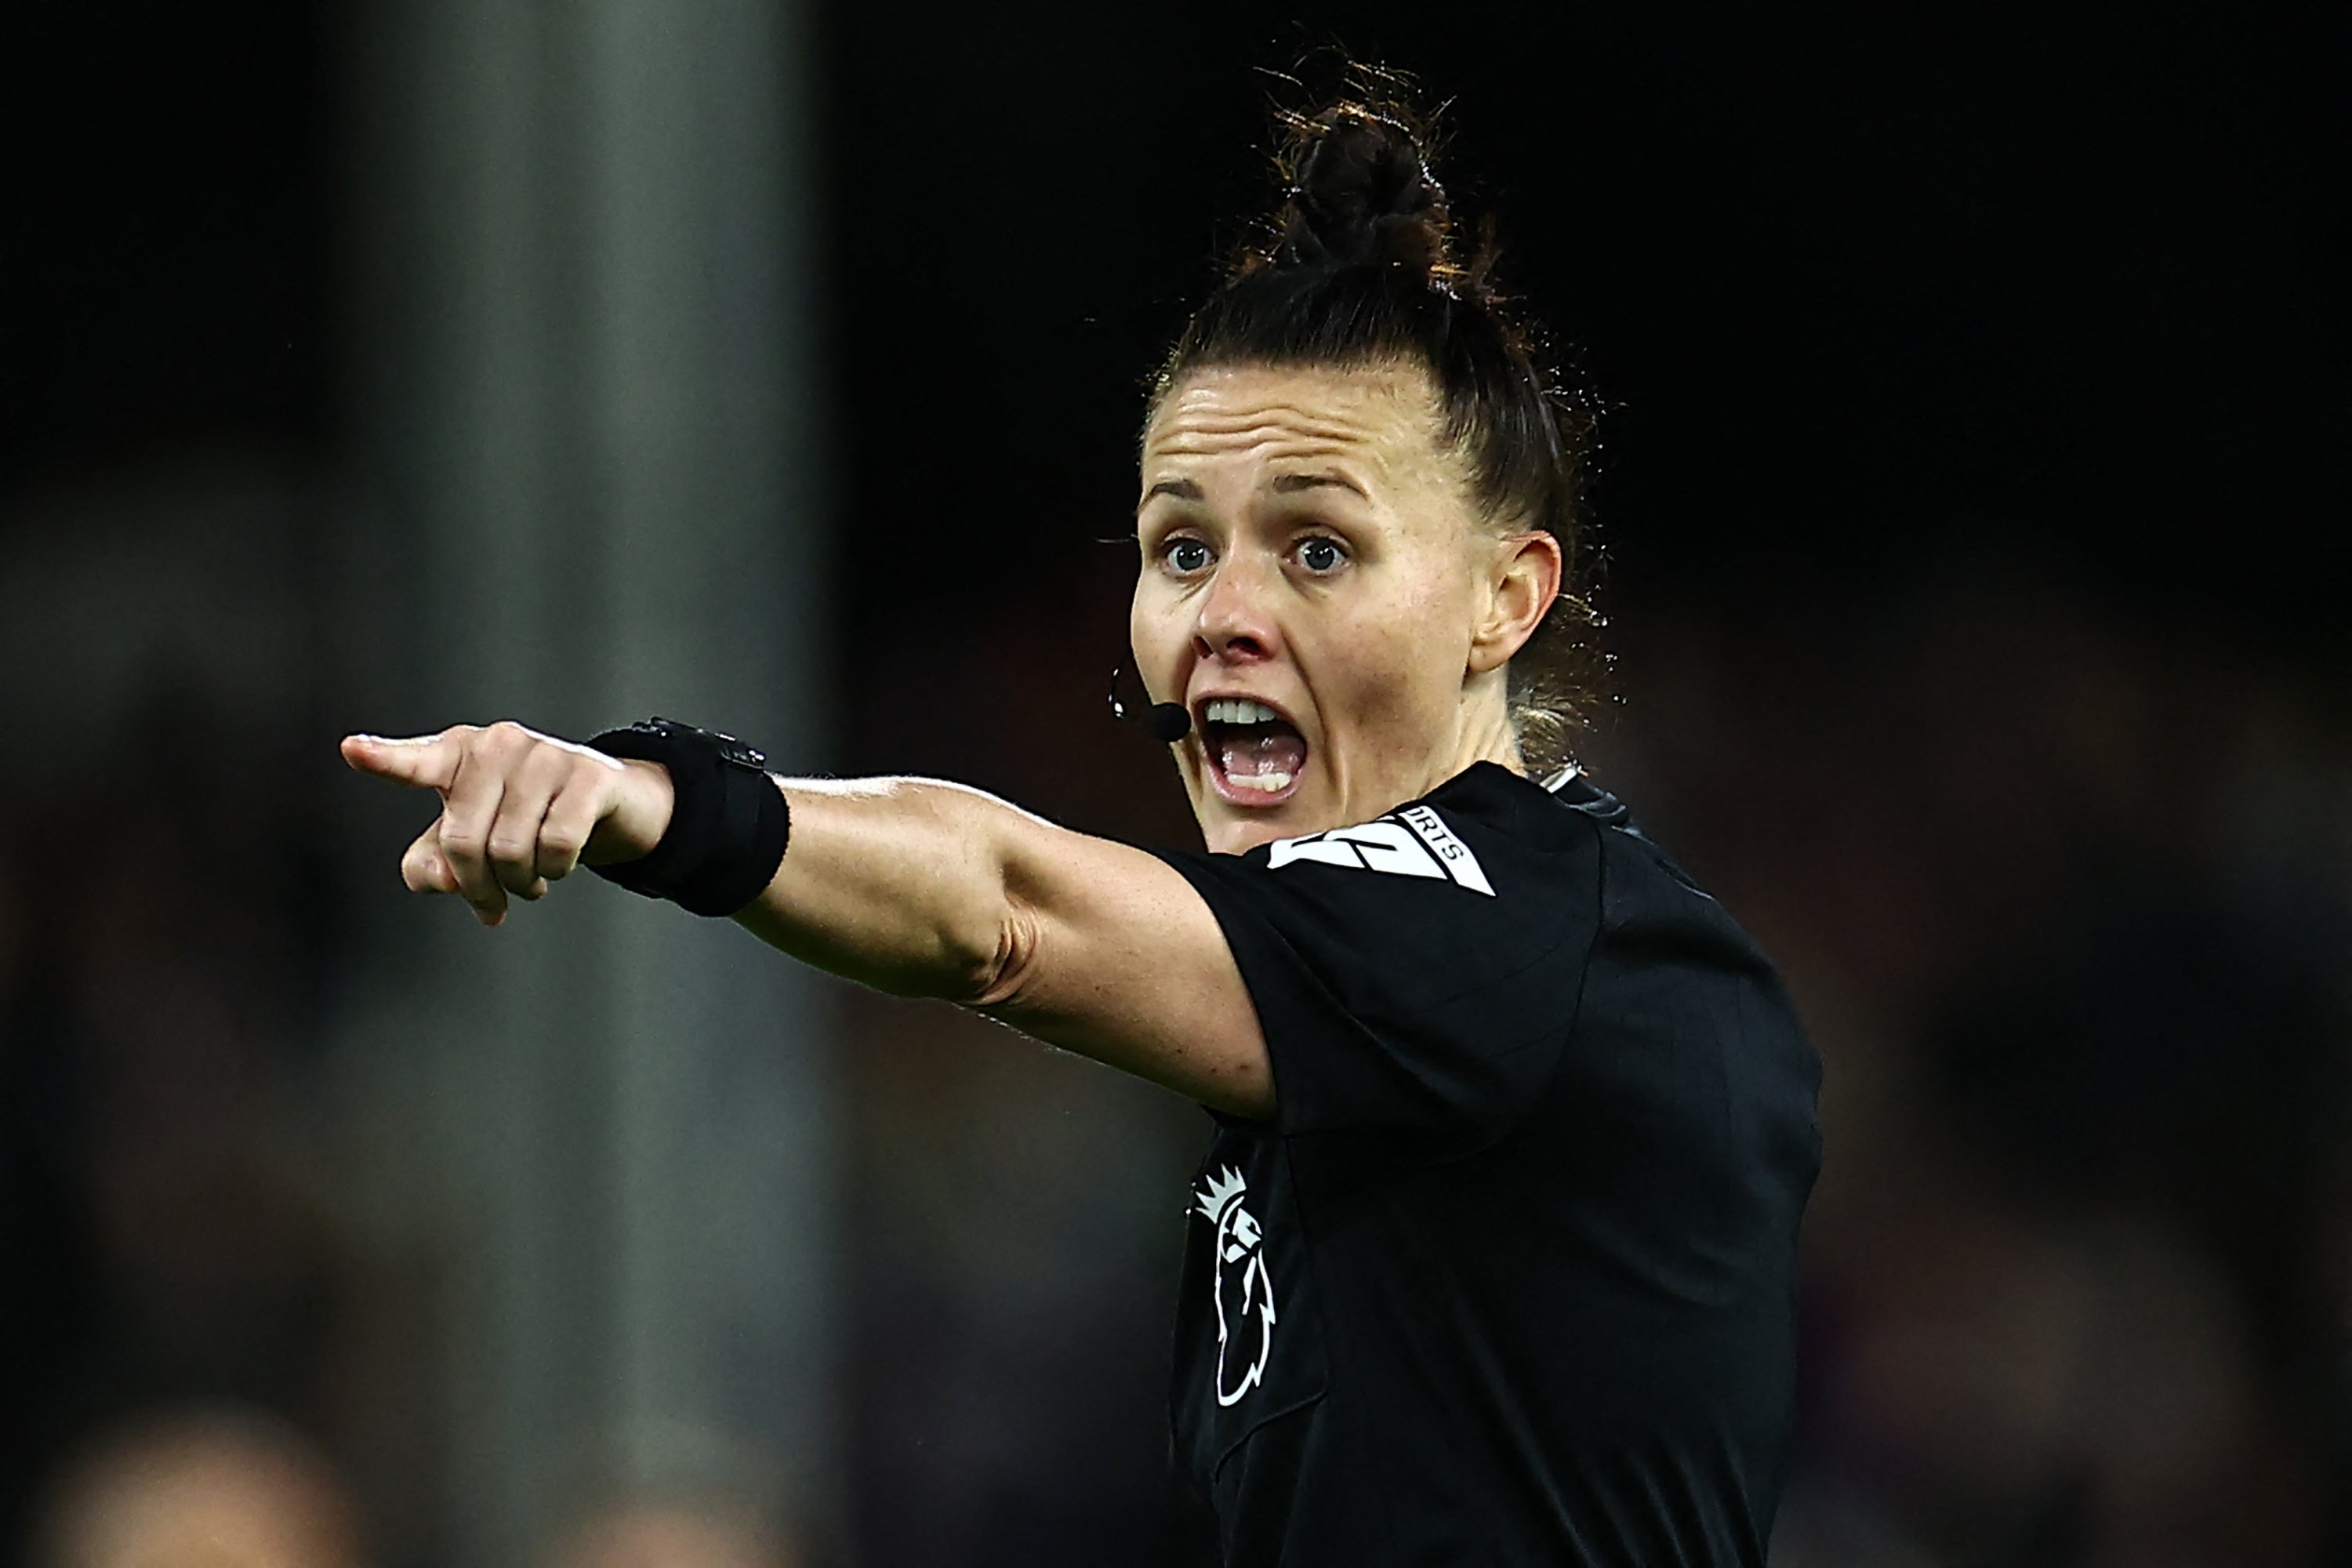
1320,553
1185,555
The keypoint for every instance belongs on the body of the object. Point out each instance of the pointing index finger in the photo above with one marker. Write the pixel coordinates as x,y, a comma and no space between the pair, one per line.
423,761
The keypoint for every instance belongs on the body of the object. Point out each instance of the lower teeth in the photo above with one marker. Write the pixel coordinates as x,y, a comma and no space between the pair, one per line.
1265,783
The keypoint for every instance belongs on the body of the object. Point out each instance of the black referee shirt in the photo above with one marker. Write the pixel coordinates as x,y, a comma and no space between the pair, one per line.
1509,1279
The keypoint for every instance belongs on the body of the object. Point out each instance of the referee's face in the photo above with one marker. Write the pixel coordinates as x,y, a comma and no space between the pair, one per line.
1317,591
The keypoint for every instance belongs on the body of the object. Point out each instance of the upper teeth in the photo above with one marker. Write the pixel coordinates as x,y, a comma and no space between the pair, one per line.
1239,711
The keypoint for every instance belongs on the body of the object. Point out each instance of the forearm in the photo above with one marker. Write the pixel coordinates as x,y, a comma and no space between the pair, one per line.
926,889
897,883
907,885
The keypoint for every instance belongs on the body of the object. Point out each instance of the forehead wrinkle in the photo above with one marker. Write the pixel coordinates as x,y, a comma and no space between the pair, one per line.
1271,437
1380,423
1329,425
1278,463
1350,403
1291,432
1275,445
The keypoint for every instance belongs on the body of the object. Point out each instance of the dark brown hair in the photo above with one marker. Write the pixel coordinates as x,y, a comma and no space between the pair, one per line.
1361,266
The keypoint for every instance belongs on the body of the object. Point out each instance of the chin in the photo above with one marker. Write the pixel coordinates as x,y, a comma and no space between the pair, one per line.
1234,818
1227,830
1239,837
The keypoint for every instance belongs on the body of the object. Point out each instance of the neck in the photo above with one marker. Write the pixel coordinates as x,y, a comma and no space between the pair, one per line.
1486,734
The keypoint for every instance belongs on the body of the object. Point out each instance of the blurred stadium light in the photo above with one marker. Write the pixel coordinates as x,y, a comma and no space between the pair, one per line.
590,492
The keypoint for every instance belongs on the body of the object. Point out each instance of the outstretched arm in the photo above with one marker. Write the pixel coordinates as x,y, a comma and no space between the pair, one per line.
914,886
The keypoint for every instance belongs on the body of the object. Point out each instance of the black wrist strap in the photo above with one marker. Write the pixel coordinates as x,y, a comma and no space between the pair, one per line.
728,826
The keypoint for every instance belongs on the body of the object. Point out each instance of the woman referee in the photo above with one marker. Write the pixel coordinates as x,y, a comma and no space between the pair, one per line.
1492,1259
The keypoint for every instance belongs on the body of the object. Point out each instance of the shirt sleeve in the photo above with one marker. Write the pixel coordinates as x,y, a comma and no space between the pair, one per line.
1414,976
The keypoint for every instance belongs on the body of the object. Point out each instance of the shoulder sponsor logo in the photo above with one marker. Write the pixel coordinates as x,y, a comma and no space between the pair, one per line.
1414,843
1451,852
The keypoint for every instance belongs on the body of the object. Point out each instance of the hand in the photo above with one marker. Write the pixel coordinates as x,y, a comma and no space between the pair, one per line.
518,809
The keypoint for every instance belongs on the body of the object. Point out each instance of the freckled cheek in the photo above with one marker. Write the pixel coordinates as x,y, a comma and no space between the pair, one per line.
1159,633
1376,696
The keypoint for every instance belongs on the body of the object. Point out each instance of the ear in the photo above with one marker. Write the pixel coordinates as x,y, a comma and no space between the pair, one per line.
1523,580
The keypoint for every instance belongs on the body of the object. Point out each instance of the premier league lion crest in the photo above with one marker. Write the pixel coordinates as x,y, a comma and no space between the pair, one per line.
1244,1291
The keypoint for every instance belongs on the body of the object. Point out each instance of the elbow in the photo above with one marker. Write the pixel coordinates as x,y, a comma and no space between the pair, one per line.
995,969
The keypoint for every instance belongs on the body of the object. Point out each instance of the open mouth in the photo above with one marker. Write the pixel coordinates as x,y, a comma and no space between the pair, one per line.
1256,755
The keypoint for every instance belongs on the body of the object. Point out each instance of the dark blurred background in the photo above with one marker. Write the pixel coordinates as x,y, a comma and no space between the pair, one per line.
1973,489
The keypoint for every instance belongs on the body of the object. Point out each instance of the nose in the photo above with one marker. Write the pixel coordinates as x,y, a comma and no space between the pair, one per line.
1234,625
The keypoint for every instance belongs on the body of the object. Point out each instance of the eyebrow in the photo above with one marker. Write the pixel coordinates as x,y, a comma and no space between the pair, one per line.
1283,485
1291,484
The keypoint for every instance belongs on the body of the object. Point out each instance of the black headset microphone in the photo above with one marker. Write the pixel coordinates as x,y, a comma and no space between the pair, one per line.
1168,721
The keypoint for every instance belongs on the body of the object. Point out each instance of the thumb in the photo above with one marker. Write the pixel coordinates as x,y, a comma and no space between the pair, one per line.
423,761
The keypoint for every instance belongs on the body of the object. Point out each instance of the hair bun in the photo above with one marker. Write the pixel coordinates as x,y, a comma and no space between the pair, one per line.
1359,267
1361,194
